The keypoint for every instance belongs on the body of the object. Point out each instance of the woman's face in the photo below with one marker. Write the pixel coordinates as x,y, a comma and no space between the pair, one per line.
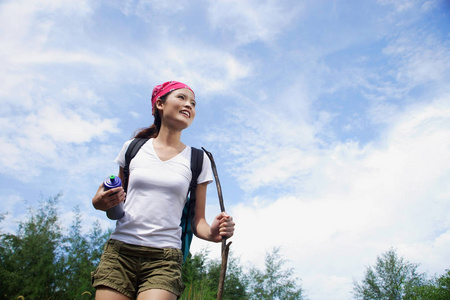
178,109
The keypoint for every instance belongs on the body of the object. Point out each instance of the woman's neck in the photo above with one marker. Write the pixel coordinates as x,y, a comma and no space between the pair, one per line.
169,138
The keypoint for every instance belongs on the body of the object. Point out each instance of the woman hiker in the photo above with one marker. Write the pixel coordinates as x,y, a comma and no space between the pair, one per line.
142,259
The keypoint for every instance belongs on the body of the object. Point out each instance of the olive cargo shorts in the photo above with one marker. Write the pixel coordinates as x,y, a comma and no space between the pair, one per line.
131,269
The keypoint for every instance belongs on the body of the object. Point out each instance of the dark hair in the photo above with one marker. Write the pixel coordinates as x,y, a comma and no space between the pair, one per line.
152,131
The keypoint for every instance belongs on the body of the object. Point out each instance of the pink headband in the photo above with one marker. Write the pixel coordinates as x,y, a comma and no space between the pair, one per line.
165,88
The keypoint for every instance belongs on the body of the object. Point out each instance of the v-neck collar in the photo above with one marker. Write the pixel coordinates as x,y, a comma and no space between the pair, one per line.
170,159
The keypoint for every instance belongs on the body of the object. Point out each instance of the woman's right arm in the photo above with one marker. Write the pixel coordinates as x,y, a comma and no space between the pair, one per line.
104,200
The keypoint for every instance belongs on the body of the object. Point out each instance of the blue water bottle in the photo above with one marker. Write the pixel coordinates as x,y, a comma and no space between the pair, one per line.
115,212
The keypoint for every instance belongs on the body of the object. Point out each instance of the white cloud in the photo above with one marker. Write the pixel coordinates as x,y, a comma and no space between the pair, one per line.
67,126
357,202
37,45
37,139
53,91
272,137
430,255
250,21
422,58
146,9
207,69
26,25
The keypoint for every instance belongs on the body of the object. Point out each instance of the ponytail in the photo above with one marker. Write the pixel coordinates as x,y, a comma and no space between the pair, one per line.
152,131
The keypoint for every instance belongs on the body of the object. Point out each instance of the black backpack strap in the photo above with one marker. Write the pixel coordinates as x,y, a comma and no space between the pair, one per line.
196,166
196,169
132,150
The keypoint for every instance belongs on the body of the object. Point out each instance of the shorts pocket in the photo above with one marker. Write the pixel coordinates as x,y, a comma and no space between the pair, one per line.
108,261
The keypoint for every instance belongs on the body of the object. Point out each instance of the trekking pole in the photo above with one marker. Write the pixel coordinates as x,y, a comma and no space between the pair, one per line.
225,246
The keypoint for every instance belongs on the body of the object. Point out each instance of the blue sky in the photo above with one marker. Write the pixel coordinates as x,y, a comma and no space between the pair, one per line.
329,120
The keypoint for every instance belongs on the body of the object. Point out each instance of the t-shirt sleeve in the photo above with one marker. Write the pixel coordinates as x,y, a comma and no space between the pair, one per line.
206,174
120,159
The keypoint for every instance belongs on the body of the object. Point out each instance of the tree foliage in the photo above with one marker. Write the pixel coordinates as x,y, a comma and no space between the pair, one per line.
392,278
437,288
40,262
195,275
275,281
28,259
201,277
45,261
79,258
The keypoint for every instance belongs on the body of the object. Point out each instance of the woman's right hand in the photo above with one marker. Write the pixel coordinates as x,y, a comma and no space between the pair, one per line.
103,200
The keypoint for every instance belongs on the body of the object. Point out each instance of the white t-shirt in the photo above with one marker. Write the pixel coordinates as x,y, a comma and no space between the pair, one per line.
156,197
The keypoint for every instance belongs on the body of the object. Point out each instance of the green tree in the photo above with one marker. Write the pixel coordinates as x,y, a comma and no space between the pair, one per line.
201,277
39,262
235,287
275,281
195,277
436,289
80,256
28,259
392,278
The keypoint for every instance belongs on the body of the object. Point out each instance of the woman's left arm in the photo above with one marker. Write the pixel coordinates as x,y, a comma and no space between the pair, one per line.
222,226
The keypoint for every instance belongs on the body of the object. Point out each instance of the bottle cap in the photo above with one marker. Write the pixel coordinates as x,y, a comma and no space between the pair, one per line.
112,182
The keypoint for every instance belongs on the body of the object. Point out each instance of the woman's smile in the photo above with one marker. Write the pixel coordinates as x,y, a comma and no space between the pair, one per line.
186,113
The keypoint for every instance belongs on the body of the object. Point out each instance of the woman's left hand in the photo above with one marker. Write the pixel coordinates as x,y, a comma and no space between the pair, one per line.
222,226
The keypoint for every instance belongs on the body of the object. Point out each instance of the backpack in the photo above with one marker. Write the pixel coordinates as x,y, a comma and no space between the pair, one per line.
189,208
